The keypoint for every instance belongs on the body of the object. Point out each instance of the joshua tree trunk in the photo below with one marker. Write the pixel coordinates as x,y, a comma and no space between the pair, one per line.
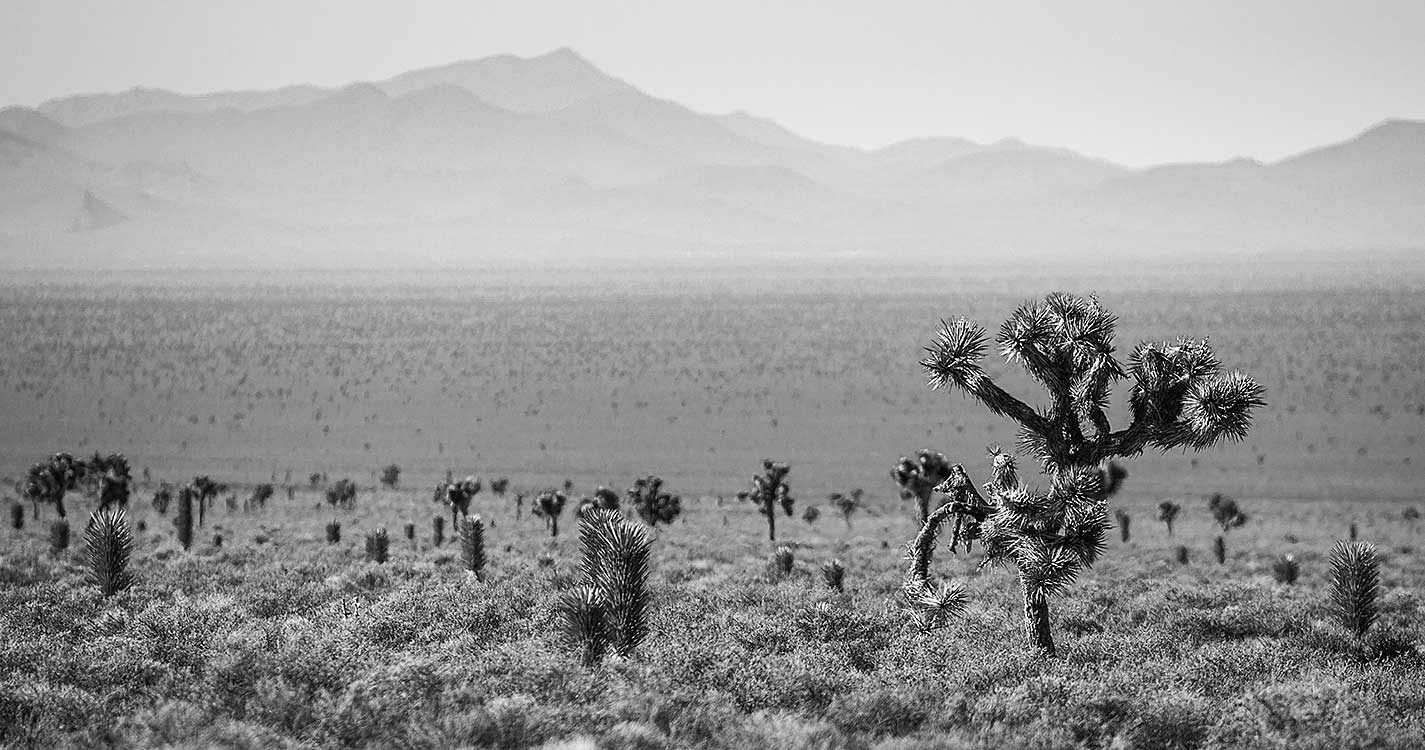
554,526
1036,624
924,501
202,509
59,504
771,520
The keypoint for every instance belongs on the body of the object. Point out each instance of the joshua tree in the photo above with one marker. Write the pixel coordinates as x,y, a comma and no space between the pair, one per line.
260,495
770,489
342,494
834,573
498,486
48,481
315,479
115,479
1227,515
378,544
919,477
610,609
457,495
654,505
108,544
603,499
183,519
549,505
810,514
1355,580
1168,512
472,545
390,476
1180,398
206,490
846,504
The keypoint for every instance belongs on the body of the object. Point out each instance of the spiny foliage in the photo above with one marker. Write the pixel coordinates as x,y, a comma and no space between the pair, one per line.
586,623
1179,398
1225,512
472,545
654,505
548,505
1355,583
378,545
1168,513
783,559
1286,569
108,545
610,608
333,532
769,489
342,494
918,477
834,573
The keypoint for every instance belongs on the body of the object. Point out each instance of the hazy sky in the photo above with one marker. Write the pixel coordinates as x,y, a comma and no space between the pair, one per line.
1138,81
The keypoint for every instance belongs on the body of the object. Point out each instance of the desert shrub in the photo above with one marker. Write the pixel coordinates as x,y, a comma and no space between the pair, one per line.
1286,569
342,494
834,573
390,476
58,535
846,505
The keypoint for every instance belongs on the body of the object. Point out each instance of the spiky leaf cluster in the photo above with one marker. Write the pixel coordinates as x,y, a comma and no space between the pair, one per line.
918,477
472,544
585,623
333,532
834,573
1180,398
654,505
1286,569
783,560
378,545
1355,584
611,608
108,545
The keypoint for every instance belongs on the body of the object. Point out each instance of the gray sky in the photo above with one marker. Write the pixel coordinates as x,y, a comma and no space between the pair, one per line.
1137,81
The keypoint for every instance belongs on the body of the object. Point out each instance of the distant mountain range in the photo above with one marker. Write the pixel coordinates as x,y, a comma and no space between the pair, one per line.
549,159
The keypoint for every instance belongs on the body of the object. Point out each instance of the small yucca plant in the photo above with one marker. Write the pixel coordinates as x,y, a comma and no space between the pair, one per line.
438,531
846,505
58,535
333,532
810,514
610,609
410,531
783,559
834,573
654,505
108,545
1355,582
17,516
472,545
1182,554
1168,513
378,545
1219,550
1286,569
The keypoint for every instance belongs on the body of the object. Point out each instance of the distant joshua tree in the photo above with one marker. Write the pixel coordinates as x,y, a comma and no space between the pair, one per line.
603,499
548,505
342,494
654,505
260,495
390,476
162,498
809,514
316,479
378,544
48,481
846,505
206,490
1227,515
1180,398
457,495
499,486
918,478
1168,513
769,489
